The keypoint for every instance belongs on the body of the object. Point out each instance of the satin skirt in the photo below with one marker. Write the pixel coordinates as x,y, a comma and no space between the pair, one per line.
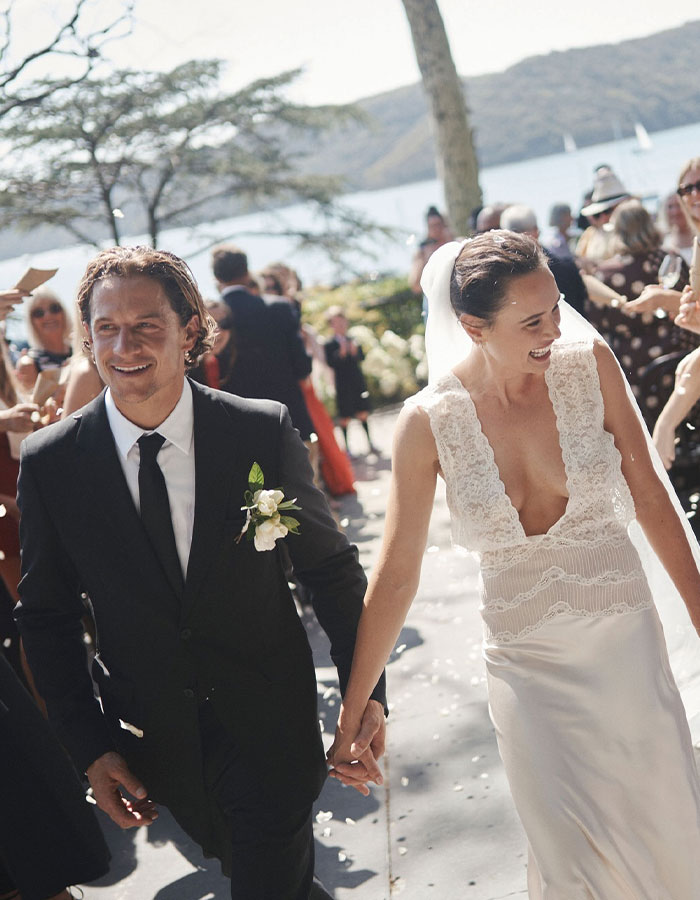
597,750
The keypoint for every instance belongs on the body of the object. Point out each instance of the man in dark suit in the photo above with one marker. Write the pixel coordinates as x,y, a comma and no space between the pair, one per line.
270,358
204,670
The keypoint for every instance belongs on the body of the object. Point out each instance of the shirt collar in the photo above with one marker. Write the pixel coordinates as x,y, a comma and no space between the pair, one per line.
177,429
230,288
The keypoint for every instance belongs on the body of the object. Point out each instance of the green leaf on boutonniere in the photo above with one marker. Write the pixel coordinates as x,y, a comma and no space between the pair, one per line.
290,523
256,479
289,504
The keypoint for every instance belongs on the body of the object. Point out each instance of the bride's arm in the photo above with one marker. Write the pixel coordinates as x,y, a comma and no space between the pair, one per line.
394,579
654,510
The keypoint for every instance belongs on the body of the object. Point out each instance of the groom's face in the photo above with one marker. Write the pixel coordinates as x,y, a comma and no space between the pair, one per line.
139,346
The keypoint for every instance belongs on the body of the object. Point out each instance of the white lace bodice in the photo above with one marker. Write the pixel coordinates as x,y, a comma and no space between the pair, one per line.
585,564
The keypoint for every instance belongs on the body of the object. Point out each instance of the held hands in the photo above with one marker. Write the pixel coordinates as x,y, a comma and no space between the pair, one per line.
357,747
107,774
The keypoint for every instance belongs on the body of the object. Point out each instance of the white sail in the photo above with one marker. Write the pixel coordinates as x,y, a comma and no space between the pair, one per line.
569,142
643,138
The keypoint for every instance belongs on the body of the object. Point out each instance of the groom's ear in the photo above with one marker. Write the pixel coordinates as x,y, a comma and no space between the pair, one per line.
474,326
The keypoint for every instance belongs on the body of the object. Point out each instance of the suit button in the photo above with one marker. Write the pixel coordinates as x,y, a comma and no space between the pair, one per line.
186,634
189,693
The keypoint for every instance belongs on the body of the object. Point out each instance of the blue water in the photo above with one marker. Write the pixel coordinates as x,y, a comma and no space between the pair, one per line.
560,178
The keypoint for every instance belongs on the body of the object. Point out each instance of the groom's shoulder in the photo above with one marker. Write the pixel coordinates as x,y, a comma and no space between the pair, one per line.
241,410
60,436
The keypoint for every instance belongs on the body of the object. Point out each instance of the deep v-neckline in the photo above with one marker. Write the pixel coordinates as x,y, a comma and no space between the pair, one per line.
513,513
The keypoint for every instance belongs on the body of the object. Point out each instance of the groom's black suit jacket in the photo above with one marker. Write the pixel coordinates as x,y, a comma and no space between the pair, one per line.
233,635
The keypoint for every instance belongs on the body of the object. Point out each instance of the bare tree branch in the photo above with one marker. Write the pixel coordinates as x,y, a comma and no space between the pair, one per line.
67,41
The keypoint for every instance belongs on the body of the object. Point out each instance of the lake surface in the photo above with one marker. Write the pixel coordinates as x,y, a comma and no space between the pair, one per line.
560,178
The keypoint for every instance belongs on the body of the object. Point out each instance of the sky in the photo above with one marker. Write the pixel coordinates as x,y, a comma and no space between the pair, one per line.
349,49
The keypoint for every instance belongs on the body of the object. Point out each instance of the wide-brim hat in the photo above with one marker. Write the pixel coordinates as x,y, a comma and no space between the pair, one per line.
608,191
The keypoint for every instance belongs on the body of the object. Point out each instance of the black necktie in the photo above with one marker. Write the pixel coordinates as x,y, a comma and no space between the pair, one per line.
155,508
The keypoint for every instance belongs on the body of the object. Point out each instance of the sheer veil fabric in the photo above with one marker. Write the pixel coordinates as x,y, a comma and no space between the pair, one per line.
447,344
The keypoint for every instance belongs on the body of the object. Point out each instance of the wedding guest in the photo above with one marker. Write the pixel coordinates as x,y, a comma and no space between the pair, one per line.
214,367
522,220
49,330
656,297
640,338
685,395
344,356
207,686
17,419
557,241
438,233
270,358
489,217
675,228
282,283
595,244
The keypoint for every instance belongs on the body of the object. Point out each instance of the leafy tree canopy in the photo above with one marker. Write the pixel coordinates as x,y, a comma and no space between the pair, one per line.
152,149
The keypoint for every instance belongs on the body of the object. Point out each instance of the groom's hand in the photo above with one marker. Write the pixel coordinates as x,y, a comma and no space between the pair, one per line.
107,774
358,765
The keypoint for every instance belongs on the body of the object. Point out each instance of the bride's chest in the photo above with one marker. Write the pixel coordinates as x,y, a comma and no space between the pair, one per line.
527,453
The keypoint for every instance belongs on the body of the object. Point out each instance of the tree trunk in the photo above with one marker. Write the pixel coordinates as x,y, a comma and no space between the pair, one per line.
455,158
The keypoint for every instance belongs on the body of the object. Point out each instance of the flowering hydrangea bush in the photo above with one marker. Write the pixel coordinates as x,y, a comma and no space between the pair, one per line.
386,322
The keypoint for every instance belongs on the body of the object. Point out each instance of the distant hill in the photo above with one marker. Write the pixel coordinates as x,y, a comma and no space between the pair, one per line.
594,94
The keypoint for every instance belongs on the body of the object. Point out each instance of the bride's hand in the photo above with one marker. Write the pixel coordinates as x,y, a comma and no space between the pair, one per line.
357,747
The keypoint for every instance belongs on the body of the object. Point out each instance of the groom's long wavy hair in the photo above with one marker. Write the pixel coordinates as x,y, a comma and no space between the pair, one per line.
171,272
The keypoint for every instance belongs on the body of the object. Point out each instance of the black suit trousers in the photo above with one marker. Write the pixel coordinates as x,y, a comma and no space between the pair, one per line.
272,848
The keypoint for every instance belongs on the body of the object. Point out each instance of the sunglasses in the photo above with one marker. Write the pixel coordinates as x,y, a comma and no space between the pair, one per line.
41,311
684,189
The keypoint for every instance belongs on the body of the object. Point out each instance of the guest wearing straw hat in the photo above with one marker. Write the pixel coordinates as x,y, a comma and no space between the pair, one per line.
595,244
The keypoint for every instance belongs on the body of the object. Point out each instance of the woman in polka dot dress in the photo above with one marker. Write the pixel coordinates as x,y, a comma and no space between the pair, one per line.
637,340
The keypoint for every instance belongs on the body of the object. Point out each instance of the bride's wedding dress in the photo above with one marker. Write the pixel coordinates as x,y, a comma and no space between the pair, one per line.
589,722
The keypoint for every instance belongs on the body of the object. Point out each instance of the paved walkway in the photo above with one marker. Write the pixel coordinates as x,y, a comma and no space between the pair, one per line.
444,825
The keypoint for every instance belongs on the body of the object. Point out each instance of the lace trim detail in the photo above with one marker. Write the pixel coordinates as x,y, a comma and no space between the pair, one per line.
562,608
500,561
557,574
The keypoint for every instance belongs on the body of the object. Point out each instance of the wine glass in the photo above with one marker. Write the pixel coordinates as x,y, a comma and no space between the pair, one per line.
670,270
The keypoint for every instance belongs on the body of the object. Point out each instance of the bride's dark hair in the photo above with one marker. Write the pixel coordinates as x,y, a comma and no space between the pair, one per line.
485,267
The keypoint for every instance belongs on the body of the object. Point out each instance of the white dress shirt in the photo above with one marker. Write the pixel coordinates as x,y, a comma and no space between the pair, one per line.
175,458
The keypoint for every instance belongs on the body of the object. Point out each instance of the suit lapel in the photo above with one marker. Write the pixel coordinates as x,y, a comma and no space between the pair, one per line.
214,460
102,476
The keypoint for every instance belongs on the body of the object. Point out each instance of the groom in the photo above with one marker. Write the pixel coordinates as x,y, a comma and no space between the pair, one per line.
205,675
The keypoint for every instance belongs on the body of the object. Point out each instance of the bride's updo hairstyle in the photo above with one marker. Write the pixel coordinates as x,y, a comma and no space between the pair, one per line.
485,268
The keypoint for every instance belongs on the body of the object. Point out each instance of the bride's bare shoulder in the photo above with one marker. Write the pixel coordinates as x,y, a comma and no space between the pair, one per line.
608,369
413,435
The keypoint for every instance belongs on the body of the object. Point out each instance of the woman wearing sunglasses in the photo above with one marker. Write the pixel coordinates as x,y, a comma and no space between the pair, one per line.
656,297
48,330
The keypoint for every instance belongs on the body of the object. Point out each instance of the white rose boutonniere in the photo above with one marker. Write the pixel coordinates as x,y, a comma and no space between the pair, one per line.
265,511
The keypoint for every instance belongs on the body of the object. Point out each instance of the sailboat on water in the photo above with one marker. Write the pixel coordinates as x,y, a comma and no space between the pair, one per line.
569,142
643,139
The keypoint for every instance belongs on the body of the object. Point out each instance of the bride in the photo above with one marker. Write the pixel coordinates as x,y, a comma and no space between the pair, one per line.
547,465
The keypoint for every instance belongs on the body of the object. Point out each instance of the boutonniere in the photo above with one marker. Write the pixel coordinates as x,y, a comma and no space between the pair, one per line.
265,520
